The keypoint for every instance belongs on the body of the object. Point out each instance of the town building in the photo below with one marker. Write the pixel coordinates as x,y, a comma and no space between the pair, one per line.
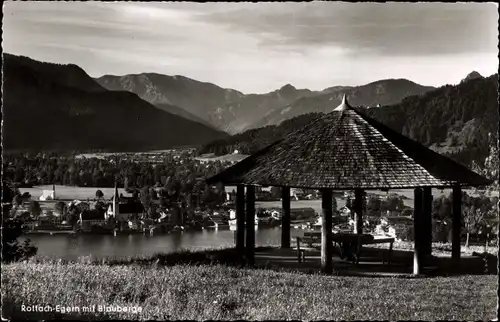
91,218
48,194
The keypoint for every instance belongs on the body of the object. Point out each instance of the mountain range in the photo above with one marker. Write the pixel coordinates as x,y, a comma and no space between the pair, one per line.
50,106
379,93
232,111
53,106
460,121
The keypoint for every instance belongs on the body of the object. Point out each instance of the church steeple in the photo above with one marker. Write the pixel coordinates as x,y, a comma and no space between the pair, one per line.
115,201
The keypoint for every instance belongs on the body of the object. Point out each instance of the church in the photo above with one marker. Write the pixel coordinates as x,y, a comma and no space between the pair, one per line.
123,211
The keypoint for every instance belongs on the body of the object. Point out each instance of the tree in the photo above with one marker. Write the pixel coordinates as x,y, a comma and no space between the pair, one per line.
100,206
125,183
407,213
73,214
145,198
8,192
17,201
473,219
99,194
441,207
220,193
393,203
12,250
489,168
60,207
373,206
275,193
164,202
34,208
155,215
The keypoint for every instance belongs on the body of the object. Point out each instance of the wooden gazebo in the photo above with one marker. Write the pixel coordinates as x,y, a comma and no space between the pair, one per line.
346,150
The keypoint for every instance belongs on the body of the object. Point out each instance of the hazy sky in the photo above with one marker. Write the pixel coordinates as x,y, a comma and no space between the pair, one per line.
259,47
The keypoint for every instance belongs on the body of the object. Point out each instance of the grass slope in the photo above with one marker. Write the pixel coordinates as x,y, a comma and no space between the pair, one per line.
226,293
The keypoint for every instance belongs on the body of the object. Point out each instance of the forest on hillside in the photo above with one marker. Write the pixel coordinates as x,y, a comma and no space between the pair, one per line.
59,107
252,140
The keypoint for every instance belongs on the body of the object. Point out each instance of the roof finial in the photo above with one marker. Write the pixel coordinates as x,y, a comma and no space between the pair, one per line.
344,105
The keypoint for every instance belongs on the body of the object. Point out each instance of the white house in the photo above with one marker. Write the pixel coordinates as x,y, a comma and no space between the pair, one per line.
48,194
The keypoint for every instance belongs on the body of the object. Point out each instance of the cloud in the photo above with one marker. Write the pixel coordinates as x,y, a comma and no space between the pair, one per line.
382,28
258,47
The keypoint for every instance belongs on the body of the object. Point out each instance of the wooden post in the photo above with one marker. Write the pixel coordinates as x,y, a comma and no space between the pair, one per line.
427,221
250,226
358,209
417,230
240,218
326,231
456,224
285,220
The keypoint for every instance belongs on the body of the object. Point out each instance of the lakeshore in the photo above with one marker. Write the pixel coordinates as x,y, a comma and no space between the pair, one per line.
71,193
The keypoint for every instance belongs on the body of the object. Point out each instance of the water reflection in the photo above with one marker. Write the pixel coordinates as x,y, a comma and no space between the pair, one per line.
98,246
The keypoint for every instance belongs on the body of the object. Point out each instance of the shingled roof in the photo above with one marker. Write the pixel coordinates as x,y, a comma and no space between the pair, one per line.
346,150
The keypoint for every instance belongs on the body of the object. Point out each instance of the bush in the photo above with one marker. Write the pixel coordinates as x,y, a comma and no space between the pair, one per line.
405,232
440,232
228,257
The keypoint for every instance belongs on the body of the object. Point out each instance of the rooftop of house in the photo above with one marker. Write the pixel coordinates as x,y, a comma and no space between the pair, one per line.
129,208
93,214
398,219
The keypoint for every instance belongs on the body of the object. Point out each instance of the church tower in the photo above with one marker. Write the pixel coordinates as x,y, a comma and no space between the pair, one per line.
116,207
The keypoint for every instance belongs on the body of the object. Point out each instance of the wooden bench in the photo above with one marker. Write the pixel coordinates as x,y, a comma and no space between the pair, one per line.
350,245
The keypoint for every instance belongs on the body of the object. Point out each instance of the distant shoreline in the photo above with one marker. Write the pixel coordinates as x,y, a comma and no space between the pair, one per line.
50,232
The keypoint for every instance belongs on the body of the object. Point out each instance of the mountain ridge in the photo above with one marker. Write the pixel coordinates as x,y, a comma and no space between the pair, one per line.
471,75
200,99
383,92
460,121
232,111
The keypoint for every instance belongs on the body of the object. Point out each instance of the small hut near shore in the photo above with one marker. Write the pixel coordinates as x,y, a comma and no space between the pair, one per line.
347,150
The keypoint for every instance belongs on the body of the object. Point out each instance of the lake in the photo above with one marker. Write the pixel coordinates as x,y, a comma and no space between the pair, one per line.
70,247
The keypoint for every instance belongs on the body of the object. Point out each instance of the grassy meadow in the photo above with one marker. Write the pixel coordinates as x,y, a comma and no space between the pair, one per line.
441,249
234,157
226,293
71,193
